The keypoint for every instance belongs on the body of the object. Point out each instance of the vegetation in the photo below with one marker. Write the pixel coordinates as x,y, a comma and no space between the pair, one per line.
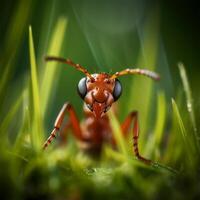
32,95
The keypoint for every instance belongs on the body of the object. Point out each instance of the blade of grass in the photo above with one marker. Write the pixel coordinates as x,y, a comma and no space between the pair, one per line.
14,35
173,155
10,115
25,129
116,129
160,166
15,154
51,72
134,161
189,101
36,133
179,119
161,116
188,147
141,92
154,141
26,124
49,18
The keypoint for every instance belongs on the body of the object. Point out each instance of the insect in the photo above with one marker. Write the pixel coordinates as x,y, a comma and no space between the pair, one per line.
99,92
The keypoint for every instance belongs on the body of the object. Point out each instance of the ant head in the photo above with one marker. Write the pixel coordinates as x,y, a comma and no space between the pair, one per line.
99,93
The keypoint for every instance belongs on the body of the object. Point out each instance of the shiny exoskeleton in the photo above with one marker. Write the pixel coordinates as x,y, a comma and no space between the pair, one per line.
99,92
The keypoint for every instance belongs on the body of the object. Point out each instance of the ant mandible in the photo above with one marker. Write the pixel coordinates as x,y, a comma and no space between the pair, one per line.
99,92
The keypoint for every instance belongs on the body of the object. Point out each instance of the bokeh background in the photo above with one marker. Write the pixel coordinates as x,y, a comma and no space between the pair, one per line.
103,36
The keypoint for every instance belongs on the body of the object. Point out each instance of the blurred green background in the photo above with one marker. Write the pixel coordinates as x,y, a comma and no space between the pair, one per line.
103,36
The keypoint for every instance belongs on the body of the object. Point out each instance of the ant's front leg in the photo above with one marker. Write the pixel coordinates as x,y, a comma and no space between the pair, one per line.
133,117
74,123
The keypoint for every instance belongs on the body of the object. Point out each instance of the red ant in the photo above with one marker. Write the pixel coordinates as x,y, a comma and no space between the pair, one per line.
99,92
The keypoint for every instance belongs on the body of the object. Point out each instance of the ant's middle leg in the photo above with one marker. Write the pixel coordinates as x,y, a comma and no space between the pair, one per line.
126,125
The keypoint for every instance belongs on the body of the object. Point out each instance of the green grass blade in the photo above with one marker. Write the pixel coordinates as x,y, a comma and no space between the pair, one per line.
25,129
179,120
154,141
26,123
51,72
189,101
160,166
116,129
161,116
141,90
13,39
10,115
135,162
34,79
36,136
187,142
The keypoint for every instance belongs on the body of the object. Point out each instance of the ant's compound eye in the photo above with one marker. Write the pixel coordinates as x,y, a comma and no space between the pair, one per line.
82,88
117,91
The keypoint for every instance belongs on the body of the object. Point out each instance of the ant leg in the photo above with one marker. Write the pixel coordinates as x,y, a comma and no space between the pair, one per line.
125,128
67,108
63,133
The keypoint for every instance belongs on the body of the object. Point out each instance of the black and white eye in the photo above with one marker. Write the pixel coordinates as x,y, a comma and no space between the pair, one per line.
117,91
82,88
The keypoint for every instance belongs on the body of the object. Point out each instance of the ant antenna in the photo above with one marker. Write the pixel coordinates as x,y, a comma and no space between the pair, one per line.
144,72
70,62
